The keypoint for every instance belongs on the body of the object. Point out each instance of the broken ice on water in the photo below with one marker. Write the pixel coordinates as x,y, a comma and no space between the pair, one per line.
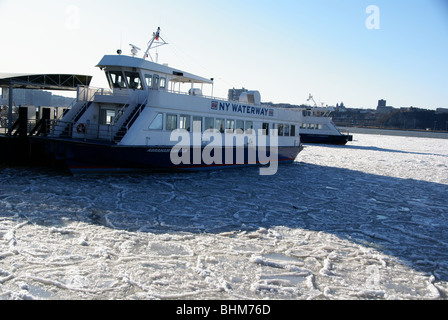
363,221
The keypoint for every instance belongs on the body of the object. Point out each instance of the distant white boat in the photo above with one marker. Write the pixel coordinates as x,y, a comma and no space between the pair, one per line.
317,127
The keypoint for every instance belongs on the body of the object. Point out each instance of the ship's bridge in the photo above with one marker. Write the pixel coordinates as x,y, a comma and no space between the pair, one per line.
126,72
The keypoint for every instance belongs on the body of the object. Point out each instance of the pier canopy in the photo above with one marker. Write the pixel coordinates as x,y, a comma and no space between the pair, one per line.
65,82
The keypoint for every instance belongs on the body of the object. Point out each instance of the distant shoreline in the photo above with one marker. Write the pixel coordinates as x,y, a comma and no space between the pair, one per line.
396,132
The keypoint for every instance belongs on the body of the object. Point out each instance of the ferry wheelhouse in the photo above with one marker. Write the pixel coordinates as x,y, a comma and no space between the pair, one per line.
155,117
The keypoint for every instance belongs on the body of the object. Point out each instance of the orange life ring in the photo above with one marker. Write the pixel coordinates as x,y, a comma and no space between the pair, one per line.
81,128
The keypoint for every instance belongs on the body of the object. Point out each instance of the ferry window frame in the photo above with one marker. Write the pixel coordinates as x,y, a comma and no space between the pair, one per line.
171,124
239,126
148,81
195,121
286,131
157,122
280,129
155,81
230,126
116,83
107,116
265,128
209,125
162,82
185,122
249,127
220,124
293,130
131,77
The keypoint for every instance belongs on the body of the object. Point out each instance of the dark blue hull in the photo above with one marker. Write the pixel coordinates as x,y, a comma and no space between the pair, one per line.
84,157
325,139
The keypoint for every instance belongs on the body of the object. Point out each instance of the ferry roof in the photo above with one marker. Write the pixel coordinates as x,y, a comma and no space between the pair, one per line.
133,62
66,82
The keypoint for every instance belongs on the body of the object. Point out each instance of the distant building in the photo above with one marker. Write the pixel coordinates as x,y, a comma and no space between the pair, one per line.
441,110
381,103
340,107
384,109
234,94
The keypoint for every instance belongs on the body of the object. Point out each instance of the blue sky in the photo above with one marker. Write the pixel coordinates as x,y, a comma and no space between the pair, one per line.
284,49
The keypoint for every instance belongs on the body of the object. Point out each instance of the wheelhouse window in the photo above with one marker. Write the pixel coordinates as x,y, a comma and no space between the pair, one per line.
148,80
134,80
157,123
162,83
116,79
155,82
171,122
184,122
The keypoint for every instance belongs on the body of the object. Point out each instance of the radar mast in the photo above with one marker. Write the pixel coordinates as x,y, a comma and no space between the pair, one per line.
155,42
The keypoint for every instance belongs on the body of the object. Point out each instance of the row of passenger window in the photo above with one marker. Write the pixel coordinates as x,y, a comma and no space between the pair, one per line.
199,124
285,130
316,126
190,123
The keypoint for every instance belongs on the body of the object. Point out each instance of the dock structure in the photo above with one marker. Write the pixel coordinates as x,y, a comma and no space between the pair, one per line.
16,145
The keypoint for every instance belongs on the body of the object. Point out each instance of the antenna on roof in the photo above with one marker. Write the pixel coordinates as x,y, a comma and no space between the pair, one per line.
157,41
311,98
134,50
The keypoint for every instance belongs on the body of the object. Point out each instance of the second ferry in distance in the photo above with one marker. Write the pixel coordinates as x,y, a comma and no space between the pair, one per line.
157,118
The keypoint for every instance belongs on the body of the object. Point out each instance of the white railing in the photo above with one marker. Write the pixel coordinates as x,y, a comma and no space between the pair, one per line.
120,113
91,131
88,93
4,126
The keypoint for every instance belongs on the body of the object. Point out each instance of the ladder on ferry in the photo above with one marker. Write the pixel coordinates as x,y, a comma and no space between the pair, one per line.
129,122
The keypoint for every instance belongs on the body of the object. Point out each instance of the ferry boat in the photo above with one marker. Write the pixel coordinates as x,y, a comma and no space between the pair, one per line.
156,118
317,126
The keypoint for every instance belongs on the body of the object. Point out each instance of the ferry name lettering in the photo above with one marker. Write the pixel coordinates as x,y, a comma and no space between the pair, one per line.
240,108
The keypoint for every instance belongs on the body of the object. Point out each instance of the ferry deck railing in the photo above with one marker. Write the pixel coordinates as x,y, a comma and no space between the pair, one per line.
92,131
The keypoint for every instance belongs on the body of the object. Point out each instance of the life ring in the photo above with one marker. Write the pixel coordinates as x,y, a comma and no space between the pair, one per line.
81,128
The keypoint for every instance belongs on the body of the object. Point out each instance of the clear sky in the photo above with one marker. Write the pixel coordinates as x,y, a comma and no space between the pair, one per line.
336,50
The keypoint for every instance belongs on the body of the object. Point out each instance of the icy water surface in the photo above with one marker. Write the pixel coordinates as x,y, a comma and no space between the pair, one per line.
363,221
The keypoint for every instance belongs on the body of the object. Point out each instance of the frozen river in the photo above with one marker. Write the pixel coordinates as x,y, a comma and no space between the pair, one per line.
364,221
